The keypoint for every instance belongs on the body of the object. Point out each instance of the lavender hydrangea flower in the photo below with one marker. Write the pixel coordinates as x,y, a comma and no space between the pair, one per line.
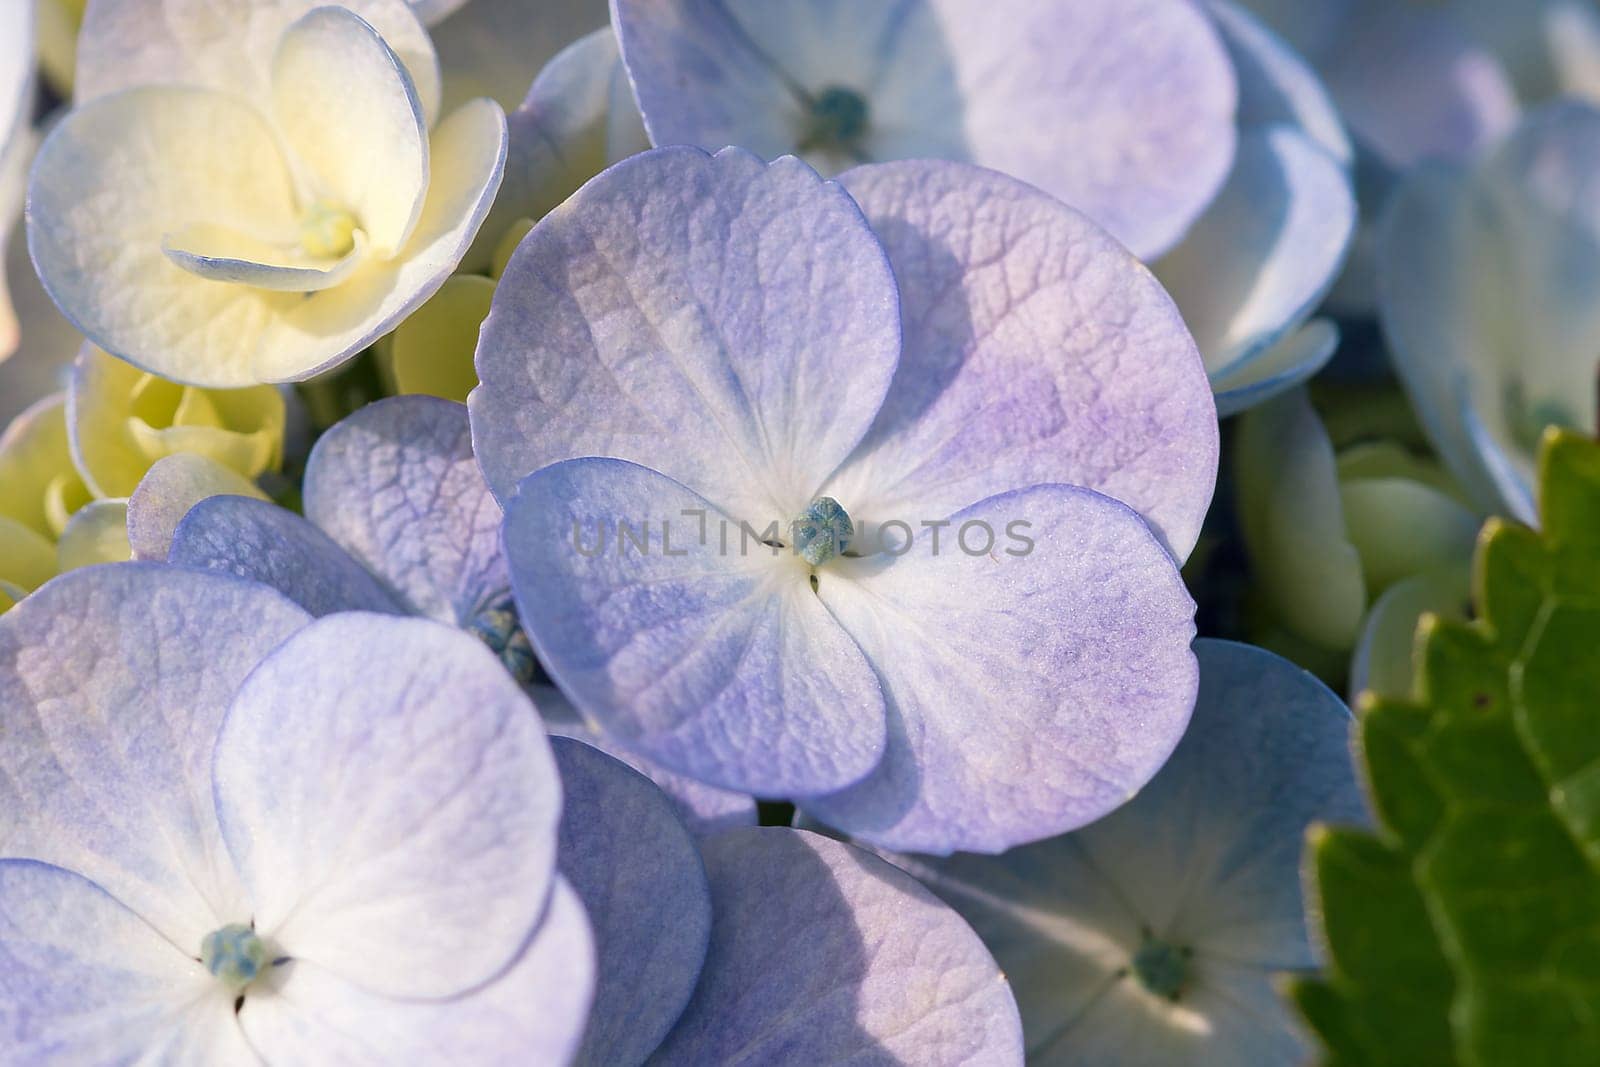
398,520
737,327
1153,935
1188,130
1486,280
234,834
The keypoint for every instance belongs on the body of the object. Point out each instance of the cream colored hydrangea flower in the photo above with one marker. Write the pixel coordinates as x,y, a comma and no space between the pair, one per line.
254,190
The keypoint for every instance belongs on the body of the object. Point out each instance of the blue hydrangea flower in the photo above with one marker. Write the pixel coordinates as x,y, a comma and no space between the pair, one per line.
1188,130
1487,274
398,521
732,338
1153,936
233,832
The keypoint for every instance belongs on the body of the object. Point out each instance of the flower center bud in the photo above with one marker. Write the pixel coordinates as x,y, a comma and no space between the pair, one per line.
499,627
234,954
1162,968
822,531
836,120
327,231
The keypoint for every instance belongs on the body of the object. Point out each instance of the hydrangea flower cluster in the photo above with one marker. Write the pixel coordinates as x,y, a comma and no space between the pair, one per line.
710,532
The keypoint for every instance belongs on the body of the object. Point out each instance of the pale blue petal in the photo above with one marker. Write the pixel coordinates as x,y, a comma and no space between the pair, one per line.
395,485
1036,350
113,684
639,875
821,953
1036,668
1206,858
1292,361
389,798
1060,95
715,662
731,323
265,543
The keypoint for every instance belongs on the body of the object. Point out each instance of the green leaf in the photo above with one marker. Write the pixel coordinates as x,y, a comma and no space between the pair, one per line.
1465,932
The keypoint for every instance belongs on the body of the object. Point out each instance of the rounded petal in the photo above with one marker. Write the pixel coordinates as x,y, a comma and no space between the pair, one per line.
1276,86
1058,95
1401,528
265,543
1036,350
173,486
639,875
1383,662
85,980
822,953
1204,859
432,350
1292,361
123,419
389,799
734,324
1292,518
1035,663
369,154
113,682
42,486
709,656
466,156
395,486
534,1013
1266,251
226,44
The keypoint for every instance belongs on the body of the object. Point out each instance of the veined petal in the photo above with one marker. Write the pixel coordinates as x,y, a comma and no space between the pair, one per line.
264,543
731,323
1204,860
1267,249
352,120
709,656
534,1013
466,158
822,953
1059,95
85,980
1035,666
390,801
639,875
112,180
1036,350
226,44
174,485
114,681
395,485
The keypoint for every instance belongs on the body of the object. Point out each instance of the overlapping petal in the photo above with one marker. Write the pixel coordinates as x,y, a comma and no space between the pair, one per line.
397,826
1035,666
731,323
862,965
173,486
113,684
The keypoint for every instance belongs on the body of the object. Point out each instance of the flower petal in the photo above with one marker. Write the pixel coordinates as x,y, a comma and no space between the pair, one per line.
1035,664
1276,87
390,801
822,953
713,659
1036,350
1206,858
642,884
395,485
732,323
534,1013
97,533
1060,96
1293,360
36,464
265,543
114,681
173,486
431,352
351,118
85,980
1267,249
226,44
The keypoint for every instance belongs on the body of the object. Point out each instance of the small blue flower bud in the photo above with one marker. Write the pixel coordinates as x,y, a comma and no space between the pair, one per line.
822,531
234,954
